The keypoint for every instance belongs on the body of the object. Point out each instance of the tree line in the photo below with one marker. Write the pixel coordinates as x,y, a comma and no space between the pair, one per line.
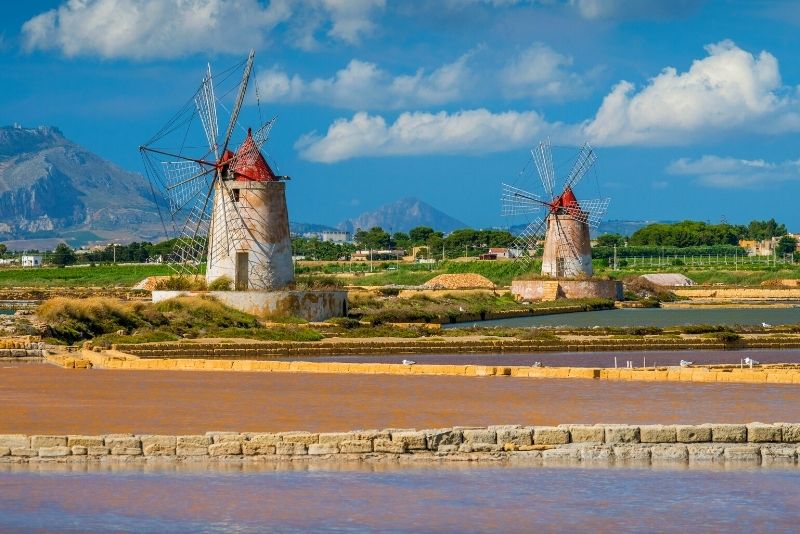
695,234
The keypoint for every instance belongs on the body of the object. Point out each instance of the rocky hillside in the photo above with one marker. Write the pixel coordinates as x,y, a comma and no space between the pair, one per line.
402,216
52,187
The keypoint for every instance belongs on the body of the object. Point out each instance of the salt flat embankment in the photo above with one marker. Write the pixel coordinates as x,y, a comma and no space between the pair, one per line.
753,443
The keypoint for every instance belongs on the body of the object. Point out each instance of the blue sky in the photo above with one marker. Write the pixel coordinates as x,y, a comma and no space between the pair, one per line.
693,107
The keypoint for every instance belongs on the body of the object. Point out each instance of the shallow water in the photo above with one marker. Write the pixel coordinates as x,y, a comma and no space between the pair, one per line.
405,500
44,399
653,317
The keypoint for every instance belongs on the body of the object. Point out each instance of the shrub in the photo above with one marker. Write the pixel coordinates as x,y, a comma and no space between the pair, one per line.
223,283
344,322
727,337
73,320
181,283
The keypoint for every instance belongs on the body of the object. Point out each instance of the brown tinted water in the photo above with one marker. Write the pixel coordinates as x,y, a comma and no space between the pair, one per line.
408,500
48,399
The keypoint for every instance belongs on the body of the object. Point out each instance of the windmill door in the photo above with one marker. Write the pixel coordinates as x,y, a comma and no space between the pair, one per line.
242,271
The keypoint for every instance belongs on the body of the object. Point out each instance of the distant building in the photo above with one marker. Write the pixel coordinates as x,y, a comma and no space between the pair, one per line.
335,236
504,253
766,247
33,260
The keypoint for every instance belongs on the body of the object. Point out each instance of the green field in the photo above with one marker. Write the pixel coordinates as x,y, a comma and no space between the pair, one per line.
81,276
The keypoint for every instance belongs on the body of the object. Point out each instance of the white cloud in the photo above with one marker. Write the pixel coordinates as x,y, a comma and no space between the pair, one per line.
729,88
634,9
351,19
538,72
142,29
478,130
541,72
716,171
363,85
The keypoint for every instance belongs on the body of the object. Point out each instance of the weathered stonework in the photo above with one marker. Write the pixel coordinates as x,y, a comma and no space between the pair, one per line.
765,443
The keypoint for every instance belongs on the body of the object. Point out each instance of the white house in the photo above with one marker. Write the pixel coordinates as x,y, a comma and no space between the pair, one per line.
33,260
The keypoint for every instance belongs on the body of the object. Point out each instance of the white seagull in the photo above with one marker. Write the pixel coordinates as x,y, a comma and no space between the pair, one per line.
750,361
686,363
409,362
536,364
765,325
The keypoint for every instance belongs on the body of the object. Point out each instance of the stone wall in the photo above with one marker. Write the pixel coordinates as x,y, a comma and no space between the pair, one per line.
532,290
21,347
772,373
727,443
317,305
428,345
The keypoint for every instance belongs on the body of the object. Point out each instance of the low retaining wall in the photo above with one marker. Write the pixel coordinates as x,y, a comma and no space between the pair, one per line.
316,305
568,289
773,374
21,347
753,443
288,349
738,293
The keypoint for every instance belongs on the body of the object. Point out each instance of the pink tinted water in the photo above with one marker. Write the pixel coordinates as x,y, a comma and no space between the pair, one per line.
409,500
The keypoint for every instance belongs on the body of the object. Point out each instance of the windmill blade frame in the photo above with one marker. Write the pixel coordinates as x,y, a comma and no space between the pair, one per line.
206,104
516,201
239,100
527,241
543,158
586,158
590,211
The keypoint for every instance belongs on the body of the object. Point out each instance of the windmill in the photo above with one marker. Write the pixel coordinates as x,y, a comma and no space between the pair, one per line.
227,207
564,226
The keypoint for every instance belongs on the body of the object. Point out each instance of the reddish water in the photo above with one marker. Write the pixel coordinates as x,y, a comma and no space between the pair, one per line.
48,399
409,500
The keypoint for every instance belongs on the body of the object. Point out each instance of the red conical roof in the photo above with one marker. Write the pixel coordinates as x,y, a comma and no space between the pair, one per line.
567,201
250,164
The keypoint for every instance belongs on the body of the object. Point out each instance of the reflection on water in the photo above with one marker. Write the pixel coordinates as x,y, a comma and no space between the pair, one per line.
654,317
407,500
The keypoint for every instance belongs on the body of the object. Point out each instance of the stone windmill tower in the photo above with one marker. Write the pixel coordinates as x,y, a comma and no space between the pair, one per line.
229,207
564,228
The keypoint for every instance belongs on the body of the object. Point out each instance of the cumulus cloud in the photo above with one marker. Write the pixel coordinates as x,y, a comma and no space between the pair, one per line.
727,89
477,130
716,171
363,85
141,29
537,72
541,72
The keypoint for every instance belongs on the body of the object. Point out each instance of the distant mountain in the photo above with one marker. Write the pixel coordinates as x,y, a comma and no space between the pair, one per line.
402,216
52,188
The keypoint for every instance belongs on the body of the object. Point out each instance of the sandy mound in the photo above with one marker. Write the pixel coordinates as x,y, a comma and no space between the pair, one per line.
668,279
459,281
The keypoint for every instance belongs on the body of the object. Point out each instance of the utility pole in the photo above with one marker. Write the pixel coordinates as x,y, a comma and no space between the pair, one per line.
615,257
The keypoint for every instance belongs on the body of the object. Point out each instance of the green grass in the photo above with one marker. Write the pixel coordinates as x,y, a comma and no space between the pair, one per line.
81,276
499,272
711,276
451,307
270,334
